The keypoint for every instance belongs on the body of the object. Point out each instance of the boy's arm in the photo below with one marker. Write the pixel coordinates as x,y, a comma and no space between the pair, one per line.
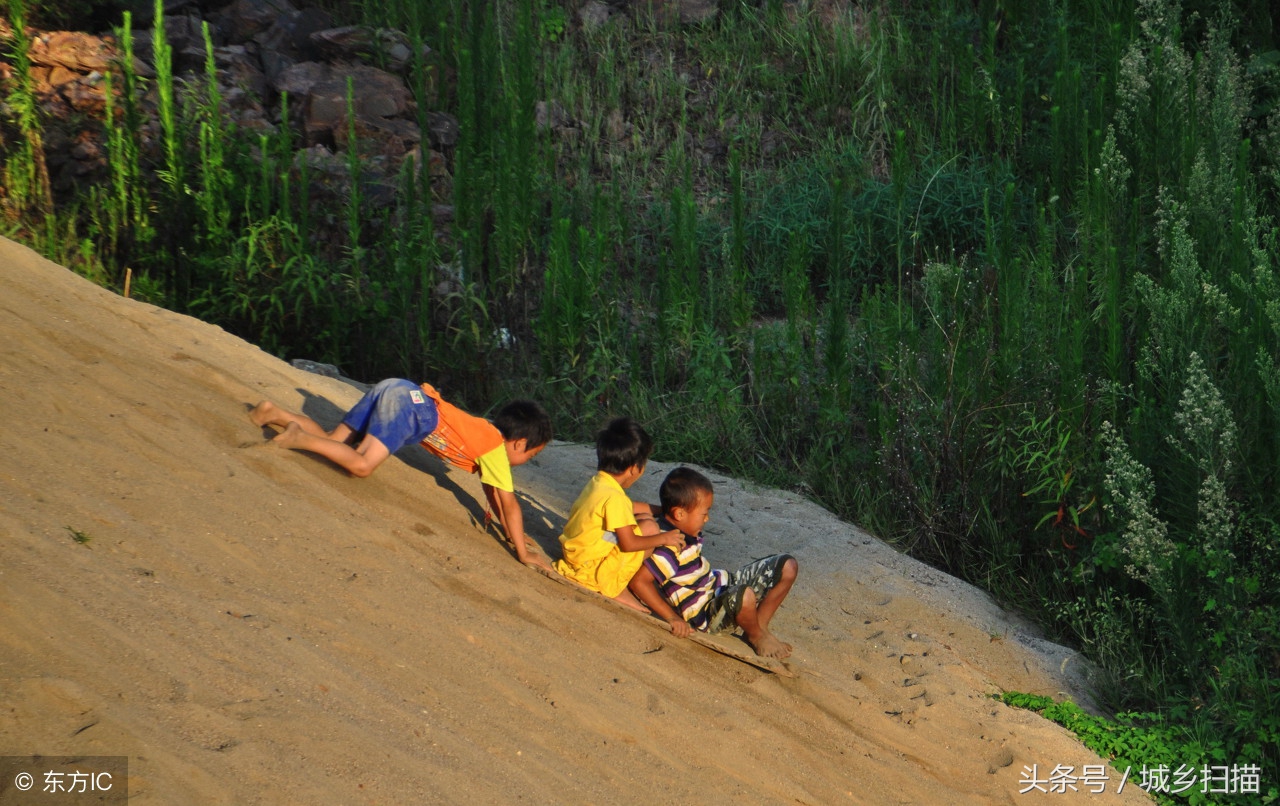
630,539
507,507
645,588
643,510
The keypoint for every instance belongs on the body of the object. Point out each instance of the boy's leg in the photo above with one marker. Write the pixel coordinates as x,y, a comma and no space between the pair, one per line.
628,598
268,413
359,461
391,414
785,578
765,643
762,586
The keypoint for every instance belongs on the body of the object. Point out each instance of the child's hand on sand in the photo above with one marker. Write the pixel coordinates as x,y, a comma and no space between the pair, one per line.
679,627
537,561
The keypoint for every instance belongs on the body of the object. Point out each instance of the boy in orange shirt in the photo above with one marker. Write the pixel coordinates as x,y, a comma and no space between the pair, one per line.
396,412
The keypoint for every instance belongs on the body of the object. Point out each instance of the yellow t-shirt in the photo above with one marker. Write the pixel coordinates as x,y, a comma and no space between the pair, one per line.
495,469
589,559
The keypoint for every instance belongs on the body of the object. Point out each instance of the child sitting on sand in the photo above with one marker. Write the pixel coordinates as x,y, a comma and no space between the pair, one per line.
679,585
396,412
602,543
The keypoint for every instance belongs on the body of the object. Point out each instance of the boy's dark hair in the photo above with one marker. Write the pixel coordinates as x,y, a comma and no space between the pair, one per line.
682,487
524,419
623,443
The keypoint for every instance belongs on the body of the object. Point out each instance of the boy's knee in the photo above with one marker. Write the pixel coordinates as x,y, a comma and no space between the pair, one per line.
363,468
790,569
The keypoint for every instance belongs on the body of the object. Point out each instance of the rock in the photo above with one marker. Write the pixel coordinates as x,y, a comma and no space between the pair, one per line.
387,137
710,150
185,39
85,94
550,114
80,53
185,32
290,33
244,19
693,12
59,76
298,79
443,129
246,111
683,12
239,68
307,22
288,41
274,64
381,45
87,150
327,370
374,94
616,126
594,14
436,166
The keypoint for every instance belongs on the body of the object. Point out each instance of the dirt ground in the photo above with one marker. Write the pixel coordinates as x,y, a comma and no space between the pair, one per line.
251,625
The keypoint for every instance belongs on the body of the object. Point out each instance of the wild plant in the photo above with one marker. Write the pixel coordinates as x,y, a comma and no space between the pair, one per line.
355,257
213,134
123,210
1143,537
577,316
26,174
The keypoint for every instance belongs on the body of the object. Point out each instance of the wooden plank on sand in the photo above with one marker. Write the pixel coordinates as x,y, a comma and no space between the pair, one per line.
711,642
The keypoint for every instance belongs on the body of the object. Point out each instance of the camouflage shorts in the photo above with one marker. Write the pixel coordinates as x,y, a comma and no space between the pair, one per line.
760,576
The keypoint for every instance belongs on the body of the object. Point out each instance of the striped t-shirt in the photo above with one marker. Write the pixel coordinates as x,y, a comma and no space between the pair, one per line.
687,581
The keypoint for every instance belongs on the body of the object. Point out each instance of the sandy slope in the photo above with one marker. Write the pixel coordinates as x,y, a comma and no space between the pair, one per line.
250,625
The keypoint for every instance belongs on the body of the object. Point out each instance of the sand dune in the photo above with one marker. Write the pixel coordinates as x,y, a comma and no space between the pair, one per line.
250,625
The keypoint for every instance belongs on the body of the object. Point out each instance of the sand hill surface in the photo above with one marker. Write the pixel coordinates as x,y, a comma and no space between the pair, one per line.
250,625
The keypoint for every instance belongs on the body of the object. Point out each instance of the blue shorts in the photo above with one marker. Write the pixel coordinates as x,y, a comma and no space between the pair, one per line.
395,411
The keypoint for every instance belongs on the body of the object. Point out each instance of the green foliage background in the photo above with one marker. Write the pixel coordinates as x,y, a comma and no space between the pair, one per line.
995,280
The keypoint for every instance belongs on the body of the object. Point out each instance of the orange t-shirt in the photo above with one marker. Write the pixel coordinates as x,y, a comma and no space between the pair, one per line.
462,439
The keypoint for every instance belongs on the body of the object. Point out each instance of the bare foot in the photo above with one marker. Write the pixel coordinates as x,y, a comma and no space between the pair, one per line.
288,438
264,413
629,599
768,646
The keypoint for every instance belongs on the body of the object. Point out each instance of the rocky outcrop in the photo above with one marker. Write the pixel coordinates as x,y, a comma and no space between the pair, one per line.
278,65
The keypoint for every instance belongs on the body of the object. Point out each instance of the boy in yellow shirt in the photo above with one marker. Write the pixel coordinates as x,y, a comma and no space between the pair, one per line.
603,547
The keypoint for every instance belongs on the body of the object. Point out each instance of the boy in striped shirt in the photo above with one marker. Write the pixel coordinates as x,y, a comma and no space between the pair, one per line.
679,585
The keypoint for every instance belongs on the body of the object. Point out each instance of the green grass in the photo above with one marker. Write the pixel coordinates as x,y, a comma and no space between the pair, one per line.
79,536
